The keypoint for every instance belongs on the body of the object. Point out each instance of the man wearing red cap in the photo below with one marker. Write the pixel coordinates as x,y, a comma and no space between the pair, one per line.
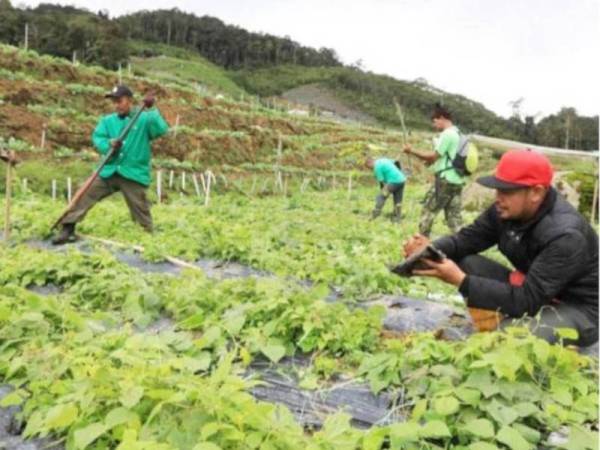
552,247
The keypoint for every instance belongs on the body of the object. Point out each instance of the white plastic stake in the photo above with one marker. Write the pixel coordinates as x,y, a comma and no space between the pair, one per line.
53,189
159,185
69,189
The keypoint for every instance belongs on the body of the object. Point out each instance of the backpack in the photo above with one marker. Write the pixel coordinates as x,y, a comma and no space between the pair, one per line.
467,156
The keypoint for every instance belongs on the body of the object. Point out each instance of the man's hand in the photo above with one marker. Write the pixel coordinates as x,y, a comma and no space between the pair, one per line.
407,148
415,244
149,100
116,144
445,270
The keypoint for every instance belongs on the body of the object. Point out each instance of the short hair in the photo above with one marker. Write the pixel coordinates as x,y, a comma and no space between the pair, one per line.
440,112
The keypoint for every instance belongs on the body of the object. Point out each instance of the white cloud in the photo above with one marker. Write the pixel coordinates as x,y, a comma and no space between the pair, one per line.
543,50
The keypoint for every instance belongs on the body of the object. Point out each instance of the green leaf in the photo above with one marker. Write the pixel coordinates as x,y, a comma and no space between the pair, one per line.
273,351
504,415
567,333
482,446
581,439
210,429
533,436
61,416
435,429
14,398
85,436
119,416
467,395
131,396
401,433
512,438
445,406
206,446
374,438
482,428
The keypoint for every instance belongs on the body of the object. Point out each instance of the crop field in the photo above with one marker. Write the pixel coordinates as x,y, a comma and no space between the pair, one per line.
260,314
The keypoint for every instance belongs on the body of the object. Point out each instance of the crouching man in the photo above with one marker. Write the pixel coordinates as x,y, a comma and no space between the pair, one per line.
552,247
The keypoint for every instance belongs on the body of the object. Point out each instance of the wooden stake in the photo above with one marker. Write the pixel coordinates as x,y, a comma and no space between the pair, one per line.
159,185
69,189
8,197
43,138
176,126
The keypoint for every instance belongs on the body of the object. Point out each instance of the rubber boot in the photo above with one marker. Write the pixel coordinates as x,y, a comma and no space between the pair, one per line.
66,235
379,202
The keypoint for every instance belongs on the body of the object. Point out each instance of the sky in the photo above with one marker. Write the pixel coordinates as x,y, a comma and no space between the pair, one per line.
494,52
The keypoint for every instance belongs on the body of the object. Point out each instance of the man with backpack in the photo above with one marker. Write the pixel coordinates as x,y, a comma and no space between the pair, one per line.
446,192
391,180
551,246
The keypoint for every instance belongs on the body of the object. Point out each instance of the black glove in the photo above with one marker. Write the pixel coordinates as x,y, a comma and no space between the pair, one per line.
116,145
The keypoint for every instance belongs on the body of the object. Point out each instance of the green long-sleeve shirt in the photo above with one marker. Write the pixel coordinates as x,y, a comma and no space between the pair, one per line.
133,161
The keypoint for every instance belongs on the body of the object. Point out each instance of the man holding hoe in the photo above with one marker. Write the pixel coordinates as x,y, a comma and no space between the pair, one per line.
552,247
128,170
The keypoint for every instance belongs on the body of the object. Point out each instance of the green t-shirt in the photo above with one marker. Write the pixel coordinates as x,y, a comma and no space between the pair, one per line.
386,171
446,148
133,161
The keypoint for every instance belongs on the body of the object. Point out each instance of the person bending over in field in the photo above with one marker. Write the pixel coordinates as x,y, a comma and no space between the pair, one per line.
128,170
552,247
391,181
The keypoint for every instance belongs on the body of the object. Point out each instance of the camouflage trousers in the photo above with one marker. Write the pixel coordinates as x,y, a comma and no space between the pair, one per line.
442,196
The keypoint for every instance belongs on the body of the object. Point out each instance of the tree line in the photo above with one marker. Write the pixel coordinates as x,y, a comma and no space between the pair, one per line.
95,38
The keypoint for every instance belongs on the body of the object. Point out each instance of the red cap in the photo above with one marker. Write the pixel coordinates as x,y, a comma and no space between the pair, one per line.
518,169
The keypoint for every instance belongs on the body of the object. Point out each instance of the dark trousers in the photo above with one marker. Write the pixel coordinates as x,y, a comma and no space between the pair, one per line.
550,317
397,191
134,194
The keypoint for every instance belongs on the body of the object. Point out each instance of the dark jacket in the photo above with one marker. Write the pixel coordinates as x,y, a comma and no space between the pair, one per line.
557,250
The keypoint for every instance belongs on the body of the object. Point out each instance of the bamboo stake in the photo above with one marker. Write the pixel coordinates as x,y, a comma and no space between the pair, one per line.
69,189
7,205
140,249
159,185
24,184
53,189
209,177
183,181
203,181
176,126
196,187
171,176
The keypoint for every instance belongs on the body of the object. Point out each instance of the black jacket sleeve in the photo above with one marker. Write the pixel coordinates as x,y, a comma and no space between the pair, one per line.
561,261
472,239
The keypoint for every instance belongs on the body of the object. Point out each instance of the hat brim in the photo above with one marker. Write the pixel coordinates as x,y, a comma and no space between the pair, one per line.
495,183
